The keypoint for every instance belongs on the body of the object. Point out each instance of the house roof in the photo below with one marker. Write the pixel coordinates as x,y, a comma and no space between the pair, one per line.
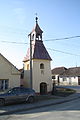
20,70
74,71
38,52
58,70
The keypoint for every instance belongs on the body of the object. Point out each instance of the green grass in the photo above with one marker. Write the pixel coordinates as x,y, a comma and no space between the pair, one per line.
57,94
64,92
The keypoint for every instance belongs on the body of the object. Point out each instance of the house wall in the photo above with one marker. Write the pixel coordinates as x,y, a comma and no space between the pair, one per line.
26,64
69,80
38,75
26,80
55,79
9,72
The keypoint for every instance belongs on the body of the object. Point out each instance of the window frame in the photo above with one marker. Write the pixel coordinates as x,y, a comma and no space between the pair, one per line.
42,66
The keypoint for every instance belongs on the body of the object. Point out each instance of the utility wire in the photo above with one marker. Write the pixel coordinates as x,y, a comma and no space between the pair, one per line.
63,52
50,48
56,39
65,38
14,42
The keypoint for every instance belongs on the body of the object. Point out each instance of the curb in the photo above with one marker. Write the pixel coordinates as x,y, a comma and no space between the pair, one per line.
37,106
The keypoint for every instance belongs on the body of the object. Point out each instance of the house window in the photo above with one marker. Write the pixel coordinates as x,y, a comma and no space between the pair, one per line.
53,77
64,79
41,66
4,84
70,80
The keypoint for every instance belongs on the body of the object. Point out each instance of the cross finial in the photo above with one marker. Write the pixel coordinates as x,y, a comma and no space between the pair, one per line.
36,18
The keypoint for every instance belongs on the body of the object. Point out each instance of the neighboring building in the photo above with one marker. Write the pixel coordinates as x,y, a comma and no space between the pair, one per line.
9,74
70,77
56,72
41,68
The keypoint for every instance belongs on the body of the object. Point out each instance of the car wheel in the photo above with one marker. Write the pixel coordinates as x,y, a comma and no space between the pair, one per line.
2,102
31,99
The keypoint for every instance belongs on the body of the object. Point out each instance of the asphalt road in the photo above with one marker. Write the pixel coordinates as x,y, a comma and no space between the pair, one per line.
65,111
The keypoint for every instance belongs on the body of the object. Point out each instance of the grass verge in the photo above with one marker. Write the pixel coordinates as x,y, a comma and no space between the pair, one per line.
63,92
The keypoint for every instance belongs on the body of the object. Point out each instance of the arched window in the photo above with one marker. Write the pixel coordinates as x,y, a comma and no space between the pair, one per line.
41,66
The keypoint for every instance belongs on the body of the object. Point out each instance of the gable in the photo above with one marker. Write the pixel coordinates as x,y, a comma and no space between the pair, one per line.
6,66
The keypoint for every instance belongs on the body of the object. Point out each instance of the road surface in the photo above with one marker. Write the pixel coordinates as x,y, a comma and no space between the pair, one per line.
65,111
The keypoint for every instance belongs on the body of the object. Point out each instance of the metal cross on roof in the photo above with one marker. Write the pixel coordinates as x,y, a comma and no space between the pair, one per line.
36,18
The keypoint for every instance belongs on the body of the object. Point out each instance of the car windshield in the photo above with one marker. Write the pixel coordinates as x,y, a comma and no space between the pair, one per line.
14,90
9,91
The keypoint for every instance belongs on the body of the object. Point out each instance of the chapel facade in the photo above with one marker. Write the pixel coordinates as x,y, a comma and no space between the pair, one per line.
41,64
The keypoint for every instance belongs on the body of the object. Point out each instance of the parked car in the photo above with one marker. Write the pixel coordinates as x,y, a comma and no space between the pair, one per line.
17,94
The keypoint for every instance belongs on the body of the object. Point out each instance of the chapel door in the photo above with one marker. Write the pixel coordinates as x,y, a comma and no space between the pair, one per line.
43,88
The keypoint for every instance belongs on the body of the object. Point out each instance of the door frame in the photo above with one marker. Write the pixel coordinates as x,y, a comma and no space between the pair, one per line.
43,88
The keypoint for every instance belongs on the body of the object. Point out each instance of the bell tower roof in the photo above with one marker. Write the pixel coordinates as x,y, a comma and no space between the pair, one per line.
36,33
37,29
38,49
38,52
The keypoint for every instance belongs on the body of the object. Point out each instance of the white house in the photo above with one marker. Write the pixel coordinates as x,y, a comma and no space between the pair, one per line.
9,74
70,77
56,73
41,66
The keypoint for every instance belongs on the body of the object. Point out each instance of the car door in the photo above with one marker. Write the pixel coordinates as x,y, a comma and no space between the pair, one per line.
23,94
12,96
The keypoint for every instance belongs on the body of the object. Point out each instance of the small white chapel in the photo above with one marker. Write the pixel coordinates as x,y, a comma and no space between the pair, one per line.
41,64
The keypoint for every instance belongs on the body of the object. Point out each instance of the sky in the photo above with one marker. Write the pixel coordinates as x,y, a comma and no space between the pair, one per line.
57,19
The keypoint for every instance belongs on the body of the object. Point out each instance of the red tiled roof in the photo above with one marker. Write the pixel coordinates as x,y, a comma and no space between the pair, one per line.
38,52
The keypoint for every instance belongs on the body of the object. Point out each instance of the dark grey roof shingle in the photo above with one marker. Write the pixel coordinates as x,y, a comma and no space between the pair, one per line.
58,70
75,71
39,52
37,29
